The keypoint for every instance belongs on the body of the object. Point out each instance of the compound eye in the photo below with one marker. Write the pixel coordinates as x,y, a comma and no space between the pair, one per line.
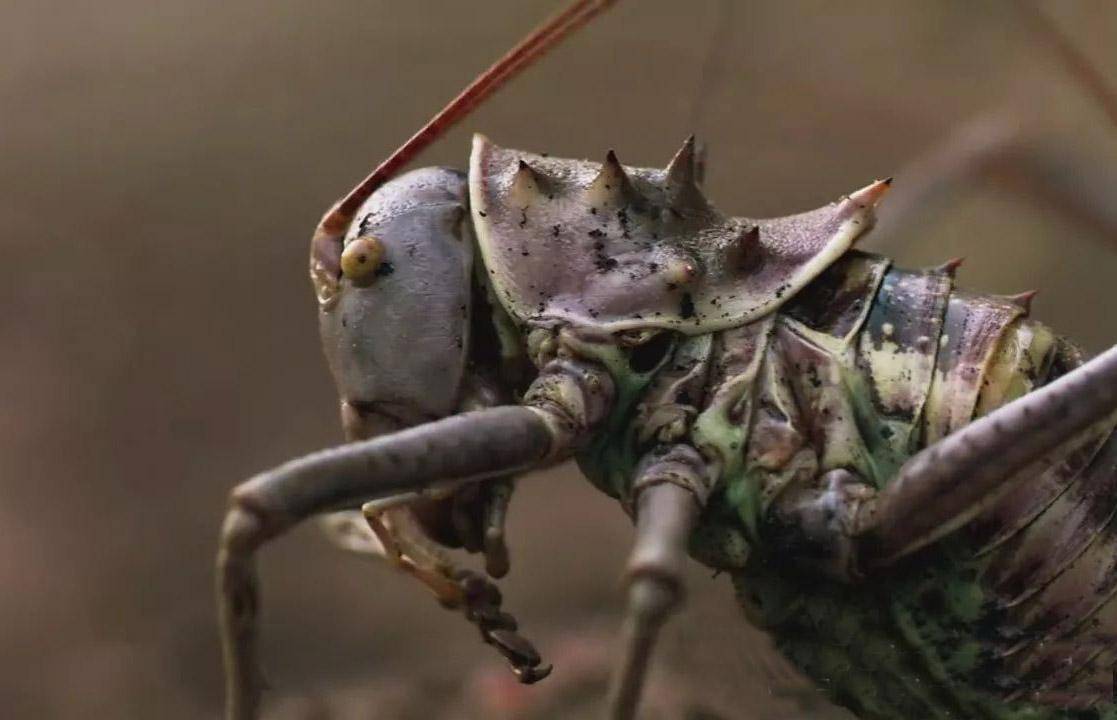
362,257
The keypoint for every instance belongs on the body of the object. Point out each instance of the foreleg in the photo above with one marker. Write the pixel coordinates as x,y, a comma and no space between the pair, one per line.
349,531
567,401
476,512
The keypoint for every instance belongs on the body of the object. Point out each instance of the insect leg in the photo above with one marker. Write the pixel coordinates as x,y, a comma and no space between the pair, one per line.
567,401
387,529
669,491
478,509
497,562
942,487
355,531
349,531
408,548
815,525
262,508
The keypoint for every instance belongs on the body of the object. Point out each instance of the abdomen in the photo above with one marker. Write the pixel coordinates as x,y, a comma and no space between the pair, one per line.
1014,616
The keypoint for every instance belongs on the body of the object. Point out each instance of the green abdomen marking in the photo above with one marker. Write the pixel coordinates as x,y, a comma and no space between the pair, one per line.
917,644
856,373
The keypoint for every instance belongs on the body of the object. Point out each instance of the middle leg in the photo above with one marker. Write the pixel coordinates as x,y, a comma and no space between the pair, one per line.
668,494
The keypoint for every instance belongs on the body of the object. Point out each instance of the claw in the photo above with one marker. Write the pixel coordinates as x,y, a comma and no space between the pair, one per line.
532,675
515,648
498,628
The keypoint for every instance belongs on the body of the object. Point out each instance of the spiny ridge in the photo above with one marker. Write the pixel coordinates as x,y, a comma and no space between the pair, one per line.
950,267
527,185
680,184
1024,300
612,185
742,247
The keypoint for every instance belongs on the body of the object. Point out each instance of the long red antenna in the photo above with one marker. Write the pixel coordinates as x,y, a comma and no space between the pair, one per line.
528,50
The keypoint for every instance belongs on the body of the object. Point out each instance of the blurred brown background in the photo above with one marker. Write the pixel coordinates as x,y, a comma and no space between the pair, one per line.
161,167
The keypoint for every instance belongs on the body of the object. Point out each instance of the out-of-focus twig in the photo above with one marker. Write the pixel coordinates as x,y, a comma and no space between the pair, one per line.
995,150
1074,61
709,75
713,64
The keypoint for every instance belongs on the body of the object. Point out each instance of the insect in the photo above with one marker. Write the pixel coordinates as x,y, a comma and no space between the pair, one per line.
911,487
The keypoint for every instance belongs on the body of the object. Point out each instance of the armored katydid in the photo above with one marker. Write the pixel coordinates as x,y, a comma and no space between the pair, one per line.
911,487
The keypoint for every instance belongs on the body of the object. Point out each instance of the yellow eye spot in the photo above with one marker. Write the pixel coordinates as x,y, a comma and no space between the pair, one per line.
361,257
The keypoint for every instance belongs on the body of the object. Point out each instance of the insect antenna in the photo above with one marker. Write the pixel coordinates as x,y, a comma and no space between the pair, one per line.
709,77
523,54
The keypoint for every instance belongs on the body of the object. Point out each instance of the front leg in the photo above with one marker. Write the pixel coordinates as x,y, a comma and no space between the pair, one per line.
567,402
397,534
354,531
472,517
408,548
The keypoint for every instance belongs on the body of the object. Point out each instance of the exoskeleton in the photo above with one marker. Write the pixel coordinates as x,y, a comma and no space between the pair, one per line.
913,488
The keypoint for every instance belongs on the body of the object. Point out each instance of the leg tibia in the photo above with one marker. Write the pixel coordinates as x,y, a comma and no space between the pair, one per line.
666,508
